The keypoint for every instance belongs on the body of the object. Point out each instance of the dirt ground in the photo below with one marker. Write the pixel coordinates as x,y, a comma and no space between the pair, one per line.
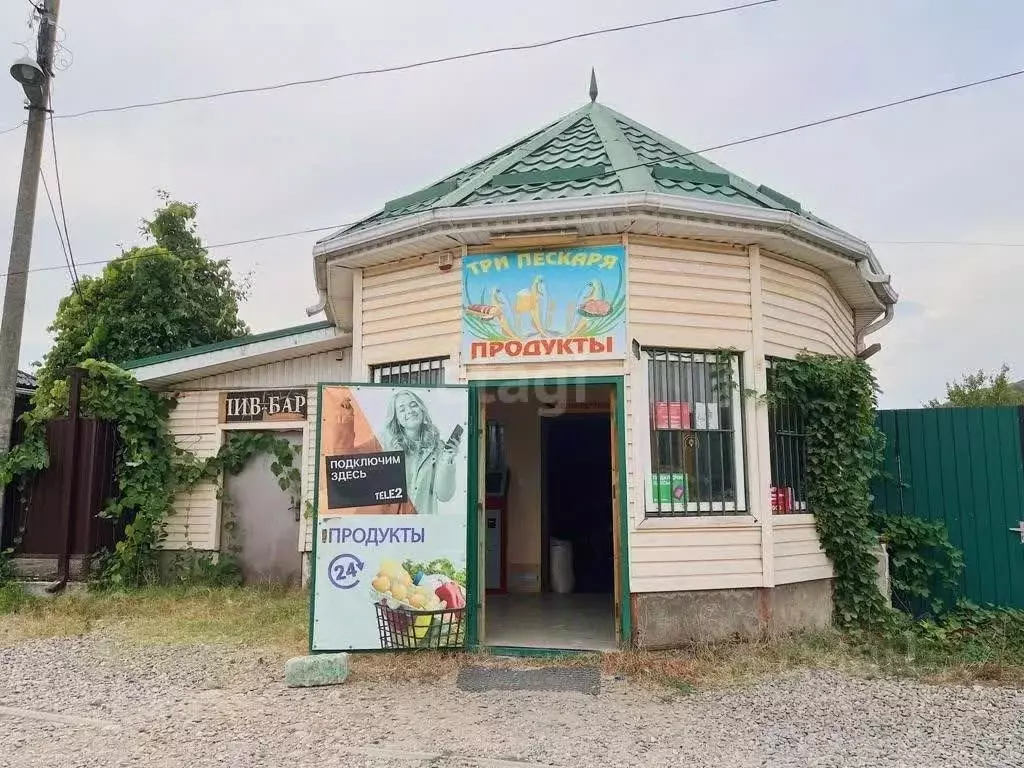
95,700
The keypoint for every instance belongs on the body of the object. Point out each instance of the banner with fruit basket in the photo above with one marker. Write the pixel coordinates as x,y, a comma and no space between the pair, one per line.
390,550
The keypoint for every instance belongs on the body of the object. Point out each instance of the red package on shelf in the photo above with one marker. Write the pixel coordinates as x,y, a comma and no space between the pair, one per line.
782,500
671,415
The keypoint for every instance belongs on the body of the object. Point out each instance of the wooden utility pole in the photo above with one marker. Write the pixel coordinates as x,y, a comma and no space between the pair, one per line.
24,222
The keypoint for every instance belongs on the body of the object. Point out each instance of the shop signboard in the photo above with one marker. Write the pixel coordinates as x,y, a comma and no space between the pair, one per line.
537,306
263,405
390,550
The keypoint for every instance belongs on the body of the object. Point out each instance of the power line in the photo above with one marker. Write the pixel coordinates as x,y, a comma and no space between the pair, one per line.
212,246
826,120
416,64
13,128
972,243
60,235
313,230
60,196
749,139
277,236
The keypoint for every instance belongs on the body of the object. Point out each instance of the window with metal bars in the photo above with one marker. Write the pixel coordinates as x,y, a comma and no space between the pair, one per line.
428,371
696,433
787,439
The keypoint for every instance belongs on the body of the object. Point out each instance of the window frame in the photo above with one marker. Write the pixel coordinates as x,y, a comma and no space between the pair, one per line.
798,506
391,373
645,427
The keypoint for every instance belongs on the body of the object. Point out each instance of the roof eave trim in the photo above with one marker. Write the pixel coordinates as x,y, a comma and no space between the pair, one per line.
781,220
194,365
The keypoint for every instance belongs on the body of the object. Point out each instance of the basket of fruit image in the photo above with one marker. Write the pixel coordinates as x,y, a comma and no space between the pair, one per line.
420,606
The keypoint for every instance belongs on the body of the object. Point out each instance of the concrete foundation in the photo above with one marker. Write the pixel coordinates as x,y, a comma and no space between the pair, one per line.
673,619
45,567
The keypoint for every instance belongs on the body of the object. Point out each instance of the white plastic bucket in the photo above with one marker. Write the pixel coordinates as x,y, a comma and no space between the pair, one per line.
561,566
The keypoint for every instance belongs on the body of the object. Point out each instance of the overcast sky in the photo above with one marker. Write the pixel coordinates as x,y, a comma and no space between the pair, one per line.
948,169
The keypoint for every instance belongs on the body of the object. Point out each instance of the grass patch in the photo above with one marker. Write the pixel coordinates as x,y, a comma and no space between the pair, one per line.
969,645
13,598
263,616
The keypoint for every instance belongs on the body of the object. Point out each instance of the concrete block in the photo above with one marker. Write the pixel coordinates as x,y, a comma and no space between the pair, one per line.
882,576
45,567
675,619
800,606
318,669
672,619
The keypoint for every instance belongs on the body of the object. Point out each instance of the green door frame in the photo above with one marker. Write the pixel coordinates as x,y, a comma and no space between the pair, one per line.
473,565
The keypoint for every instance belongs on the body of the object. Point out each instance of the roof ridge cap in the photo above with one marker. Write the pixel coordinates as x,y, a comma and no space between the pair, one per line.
501,164
744,185
623,156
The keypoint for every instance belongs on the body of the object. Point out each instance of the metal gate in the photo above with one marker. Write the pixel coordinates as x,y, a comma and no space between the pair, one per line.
963,467
65,499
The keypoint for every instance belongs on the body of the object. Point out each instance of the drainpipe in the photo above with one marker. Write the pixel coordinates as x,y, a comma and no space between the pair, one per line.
70,480
876,325
319,307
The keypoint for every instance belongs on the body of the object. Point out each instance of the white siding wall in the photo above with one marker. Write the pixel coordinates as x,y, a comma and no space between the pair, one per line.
411,311
803,311
333,365
798,554
690,299
194,423
194,426
680,295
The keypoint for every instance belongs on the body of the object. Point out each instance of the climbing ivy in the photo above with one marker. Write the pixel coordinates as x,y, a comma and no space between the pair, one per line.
150,468
837,396
924,565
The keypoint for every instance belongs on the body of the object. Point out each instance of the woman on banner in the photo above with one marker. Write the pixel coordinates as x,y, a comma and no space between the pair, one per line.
429,461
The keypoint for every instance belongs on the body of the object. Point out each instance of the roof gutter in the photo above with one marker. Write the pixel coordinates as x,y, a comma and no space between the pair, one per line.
654,203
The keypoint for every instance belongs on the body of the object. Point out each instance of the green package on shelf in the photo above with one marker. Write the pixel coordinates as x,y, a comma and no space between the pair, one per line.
668,489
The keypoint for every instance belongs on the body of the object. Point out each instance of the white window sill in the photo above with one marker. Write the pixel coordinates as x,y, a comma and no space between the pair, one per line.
699,521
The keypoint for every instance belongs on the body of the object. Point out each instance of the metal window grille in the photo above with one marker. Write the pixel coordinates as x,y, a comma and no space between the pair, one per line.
787,439
696,434
426,372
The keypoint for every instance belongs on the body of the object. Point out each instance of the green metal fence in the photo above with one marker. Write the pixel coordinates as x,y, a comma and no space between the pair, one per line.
964,467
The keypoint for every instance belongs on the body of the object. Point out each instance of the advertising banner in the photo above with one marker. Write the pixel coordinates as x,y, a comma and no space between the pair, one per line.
544,305
390,552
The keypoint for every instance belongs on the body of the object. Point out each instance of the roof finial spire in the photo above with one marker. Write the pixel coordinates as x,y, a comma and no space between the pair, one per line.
593,85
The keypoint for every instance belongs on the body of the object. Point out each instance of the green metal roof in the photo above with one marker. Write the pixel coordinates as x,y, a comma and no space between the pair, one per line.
238,341
591,151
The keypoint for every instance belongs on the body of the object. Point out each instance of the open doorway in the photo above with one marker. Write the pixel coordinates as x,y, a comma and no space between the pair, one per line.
556,520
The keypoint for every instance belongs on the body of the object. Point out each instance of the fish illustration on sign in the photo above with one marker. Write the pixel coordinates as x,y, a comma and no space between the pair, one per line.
495,312
528,302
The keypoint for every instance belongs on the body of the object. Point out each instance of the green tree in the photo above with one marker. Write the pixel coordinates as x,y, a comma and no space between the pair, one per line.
980,389
151,299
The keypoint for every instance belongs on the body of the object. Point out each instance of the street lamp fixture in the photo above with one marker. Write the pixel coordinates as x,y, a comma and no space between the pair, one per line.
27,71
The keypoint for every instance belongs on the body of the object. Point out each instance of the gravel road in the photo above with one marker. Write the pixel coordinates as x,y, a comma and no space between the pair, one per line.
91,701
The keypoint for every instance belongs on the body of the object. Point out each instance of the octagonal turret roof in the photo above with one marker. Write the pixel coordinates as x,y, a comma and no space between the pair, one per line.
592,151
